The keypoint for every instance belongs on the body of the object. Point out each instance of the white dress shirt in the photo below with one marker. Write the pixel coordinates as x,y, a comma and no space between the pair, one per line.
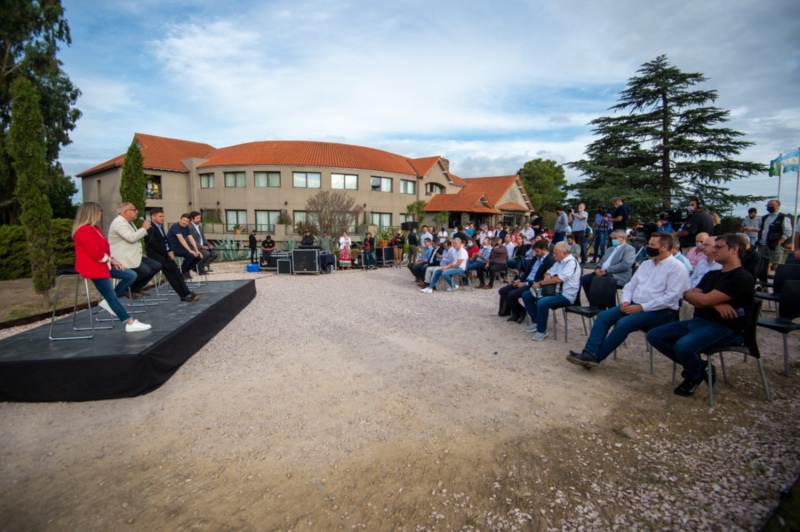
657,286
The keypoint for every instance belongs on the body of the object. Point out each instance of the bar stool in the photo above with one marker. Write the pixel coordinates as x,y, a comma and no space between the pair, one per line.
68,270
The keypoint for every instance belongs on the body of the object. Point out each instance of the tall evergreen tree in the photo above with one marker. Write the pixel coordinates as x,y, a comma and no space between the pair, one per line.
30,34
670,145
26,145
544,182
133,183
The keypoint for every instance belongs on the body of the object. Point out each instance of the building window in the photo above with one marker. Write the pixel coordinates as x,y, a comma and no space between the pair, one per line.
206,180
344,181
307,180
408,187
301,219
267,179
153,187
382,219
235,180
381,184
406,218
234,218
266,221
433,188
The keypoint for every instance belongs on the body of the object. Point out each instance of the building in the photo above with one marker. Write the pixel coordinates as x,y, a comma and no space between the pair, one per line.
263,185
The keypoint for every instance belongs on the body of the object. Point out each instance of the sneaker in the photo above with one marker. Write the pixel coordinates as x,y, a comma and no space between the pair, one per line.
450,289
105,306
538,337
428,290
687,388
136,326
456,286
531,328
584,358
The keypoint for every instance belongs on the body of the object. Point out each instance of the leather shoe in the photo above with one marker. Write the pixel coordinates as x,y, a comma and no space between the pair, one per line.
141,292
584,358
513,317
521,318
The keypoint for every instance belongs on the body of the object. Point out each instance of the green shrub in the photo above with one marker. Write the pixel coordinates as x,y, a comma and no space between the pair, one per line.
14,262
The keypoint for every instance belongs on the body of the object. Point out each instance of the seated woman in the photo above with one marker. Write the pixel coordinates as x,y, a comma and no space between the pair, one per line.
93,261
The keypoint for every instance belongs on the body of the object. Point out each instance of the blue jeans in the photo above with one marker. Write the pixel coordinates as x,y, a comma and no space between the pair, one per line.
683,341
126,279
369,259
104,287
539,310
435,277
475,264
449,274
600,244
601,343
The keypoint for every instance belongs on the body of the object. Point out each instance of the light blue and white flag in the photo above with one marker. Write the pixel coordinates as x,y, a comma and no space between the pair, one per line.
789,162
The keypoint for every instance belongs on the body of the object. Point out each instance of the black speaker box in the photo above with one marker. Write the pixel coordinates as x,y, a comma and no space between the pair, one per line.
305,261
275,257
408,226
285,266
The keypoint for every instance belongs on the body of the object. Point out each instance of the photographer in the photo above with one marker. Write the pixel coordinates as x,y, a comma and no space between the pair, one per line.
602,225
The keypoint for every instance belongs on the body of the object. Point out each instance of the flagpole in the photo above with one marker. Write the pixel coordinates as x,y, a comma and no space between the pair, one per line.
796,193
780,175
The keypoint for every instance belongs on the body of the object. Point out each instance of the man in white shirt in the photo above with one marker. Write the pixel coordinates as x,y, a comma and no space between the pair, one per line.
650,299
566,274
126,246
455,267
447,258
425,233
527,233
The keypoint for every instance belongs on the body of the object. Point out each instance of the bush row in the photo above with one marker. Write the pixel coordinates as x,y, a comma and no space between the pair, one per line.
14,263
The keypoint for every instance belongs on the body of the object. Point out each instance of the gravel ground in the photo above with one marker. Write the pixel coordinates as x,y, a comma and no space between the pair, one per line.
353,401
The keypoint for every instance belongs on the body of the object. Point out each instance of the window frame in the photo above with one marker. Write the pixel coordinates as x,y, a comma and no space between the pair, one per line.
267,227
344,181
382,180
413,187
210,180
238,183
381,227
239,212
305,175
268,175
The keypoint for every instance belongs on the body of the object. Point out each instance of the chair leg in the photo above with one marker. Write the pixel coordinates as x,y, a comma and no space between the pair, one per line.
566,325
722,363
585,330
786,355
650,351
709,361
763,379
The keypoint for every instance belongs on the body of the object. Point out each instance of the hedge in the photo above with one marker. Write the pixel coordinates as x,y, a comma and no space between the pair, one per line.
14,263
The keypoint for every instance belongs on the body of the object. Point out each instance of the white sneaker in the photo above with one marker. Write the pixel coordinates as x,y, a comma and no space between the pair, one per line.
456,287
449,289
531,328
538,337
105,306
427,290
136,326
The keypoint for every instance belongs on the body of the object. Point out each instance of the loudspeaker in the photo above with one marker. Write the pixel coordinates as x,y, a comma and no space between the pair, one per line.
285,266
274,258
305,260
408,226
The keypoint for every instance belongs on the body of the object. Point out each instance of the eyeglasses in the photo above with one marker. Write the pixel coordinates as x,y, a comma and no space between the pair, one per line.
719,246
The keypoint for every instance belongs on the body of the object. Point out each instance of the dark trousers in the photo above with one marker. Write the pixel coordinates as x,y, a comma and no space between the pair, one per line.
586,282
175,278
144,272
511,294
580,239
493,268
419,271
189,260
253,255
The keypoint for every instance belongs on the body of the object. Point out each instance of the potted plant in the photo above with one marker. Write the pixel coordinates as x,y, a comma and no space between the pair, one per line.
238,228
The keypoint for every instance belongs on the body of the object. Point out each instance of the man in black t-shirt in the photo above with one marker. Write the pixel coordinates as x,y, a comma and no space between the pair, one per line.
699,221
721,300
621,215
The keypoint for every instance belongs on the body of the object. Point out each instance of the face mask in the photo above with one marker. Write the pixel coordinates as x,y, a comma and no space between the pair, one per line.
470,245
690,208
770,209
653,252
615,243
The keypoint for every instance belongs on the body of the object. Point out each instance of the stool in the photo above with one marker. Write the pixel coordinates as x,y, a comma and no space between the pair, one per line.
68,270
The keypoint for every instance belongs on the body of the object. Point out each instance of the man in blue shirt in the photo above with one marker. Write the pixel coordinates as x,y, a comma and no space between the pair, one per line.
182,243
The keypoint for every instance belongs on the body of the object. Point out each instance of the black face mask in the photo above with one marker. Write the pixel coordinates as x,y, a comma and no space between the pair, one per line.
653,252
770,209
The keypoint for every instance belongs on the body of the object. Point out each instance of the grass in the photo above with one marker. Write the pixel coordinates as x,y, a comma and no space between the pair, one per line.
21,300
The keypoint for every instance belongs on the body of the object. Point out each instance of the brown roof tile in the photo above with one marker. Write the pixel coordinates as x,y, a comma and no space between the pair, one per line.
512,206
464,201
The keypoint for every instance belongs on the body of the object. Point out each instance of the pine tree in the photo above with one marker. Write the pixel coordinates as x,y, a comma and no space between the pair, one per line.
670,145
133,183
27,147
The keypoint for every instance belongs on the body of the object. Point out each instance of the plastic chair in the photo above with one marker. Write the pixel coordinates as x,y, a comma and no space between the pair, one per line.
788,310
602,295
68,270
785,272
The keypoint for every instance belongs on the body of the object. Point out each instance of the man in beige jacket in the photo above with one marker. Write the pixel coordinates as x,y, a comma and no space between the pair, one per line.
126,247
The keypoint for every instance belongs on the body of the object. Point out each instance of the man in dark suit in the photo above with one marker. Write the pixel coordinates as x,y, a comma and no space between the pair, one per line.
533,272
616,263
419,269
158,249
204,246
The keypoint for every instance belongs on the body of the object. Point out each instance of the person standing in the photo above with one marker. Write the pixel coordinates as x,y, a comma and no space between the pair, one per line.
369,252
399,243
126,246
751,225
579,221
325,242
602,225
93,261
253,244
344,251
622,214
413,244
699,221
560,228
776,229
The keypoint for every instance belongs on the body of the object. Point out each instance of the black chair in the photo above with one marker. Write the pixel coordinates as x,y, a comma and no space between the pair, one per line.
750,348
785,272
564,311
792,260
602,295
788,310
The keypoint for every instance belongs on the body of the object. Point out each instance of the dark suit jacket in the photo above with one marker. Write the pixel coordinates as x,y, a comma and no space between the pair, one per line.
547,263
155,245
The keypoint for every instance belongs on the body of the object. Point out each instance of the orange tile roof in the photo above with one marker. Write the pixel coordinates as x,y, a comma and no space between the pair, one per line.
458,181
160,153
512,206
311,153
464,201
493,187
423,166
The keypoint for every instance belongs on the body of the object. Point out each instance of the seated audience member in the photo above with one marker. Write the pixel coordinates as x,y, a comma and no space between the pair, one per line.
445,258
500,232
676,252
267,247
510,247
443,236
751,259
617,262
209,254
157,247
564,274
650,299
126,247
423,260
482,257
498,258
527,233
510,294
308,239
695,254
420,270
182,243
454,268
723,300
574,248
704,266
472,250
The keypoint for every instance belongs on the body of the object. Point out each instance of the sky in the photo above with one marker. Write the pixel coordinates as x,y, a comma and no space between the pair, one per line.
488,85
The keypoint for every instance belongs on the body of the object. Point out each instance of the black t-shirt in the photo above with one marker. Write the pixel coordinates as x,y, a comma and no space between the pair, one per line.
699,222
739,285
622,211
462,235
412,239
268,244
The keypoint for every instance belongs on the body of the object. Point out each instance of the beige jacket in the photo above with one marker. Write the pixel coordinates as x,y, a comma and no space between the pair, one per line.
125,242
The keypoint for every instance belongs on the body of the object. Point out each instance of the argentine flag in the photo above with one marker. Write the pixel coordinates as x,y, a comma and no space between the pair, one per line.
789,162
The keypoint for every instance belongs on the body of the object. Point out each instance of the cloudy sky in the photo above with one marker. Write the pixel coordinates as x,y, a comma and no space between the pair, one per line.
489,85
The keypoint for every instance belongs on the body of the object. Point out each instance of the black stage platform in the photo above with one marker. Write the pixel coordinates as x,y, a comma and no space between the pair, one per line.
114,363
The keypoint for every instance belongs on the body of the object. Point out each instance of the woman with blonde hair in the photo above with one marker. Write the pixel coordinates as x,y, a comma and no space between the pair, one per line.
93,261
398,242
